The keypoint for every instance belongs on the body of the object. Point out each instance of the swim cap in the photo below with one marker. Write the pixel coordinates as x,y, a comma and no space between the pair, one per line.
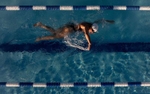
95,27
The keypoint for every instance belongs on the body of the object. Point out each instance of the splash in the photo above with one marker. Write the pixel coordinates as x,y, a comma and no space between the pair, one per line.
75,40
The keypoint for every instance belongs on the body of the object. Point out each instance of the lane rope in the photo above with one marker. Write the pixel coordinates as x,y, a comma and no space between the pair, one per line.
18,8
77,84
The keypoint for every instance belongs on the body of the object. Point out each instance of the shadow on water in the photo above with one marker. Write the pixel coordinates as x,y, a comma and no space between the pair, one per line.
122,47
32,47
56,47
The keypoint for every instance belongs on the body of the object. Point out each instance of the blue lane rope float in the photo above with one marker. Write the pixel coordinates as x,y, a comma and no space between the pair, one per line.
78,84
17,8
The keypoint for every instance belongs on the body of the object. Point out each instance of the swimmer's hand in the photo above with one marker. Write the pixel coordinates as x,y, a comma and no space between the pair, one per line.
89,46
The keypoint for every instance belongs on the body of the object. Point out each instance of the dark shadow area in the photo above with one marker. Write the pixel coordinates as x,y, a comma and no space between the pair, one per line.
45,46
55,47
122,47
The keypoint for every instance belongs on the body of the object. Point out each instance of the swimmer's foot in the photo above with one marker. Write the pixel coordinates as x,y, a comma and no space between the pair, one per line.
38,39
37,24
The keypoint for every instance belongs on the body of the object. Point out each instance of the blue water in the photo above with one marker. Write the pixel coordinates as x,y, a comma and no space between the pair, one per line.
23,60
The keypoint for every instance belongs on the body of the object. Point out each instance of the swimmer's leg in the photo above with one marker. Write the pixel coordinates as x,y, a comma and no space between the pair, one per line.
47,38
39,24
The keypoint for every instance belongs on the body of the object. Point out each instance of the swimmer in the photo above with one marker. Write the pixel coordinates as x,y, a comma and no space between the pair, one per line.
90,28
85,27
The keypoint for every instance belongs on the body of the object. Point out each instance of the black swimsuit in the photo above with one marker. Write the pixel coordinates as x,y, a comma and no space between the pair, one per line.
72,25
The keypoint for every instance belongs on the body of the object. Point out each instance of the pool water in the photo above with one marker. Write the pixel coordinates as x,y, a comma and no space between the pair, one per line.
119,52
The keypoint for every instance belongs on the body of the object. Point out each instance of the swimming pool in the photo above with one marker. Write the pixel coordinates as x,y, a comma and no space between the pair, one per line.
23,60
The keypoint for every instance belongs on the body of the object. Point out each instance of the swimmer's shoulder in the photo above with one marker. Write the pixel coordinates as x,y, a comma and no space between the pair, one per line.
86,23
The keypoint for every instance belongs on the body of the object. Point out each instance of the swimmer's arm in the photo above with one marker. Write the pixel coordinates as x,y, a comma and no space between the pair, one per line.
88,40
86,34
103,20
